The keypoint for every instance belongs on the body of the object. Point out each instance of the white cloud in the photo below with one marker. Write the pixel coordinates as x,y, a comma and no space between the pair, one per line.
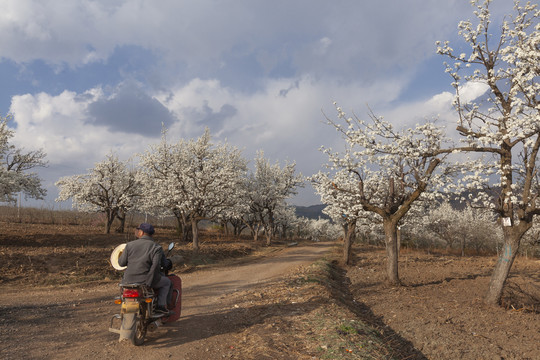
351,38
286,125
258,73
285,111
58,125
472,90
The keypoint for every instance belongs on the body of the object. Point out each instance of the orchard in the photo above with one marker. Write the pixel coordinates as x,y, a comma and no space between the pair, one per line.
474,188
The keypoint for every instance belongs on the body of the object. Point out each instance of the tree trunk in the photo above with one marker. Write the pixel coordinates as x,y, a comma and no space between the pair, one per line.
225,227
283,232
180,225
111,215
268,235
187,234
398,239
256,230
183,225
512,239
121,215
269,228
390,234
350,237
238,226
108,226
195,232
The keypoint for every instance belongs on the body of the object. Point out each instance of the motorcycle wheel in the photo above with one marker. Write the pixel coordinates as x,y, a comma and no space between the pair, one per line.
140,327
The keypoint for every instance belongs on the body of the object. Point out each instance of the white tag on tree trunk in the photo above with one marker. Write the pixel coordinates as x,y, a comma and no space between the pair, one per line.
507,221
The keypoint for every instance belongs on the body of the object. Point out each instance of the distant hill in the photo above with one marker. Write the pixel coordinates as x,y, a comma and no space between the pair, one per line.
311,212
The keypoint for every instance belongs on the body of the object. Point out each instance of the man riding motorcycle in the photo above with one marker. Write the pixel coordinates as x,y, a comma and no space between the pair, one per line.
144,259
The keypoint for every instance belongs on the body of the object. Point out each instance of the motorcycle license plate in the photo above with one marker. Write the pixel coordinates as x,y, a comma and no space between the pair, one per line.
130,306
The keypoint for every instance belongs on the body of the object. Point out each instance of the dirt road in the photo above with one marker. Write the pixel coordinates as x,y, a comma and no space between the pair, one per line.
71,322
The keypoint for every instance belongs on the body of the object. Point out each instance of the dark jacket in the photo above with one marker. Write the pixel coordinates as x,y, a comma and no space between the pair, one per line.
143,258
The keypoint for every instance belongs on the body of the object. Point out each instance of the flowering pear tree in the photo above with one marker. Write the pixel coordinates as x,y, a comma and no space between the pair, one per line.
382,171
110,187
503,125
158,167
322,229
285,219
531,241
343,206
160,171
15,164
239,215
268,186
193,179
467,228
235,214
251,220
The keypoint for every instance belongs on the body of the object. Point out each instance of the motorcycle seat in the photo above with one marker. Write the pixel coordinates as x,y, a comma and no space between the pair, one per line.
132,285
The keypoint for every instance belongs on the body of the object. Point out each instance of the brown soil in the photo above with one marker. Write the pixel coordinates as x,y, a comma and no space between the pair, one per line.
267,303
440,308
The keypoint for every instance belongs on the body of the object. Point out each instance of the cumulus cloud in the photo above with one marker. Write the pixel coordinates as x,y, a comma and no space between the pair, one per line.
130,110
309,37
472,90
259,74
58,125
285,127
78,129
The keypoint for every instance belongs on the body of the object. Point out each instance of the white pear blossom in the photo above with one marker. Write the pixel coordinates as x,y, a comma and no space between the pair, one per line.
382,172
192,179
110,187
503,125
15,166
268,186
463,229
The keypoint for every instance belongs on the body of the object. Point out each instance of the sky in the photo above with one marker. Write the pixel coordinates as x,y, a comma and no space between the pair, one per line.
84,78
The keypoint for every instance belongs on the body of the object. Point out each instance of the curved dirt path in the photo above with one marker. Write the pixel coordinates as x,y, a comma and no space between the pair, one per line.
72,322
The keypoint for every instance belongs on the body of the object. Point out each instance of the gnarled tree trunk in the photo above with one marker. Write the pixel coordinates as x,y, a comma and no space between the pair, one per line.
111,215
350,237
269,228
512,239
195,231
121,215
392,251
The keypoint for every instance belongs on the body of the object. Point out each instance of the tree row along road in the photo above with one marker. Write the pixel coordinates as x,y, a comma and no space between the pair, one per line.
72,322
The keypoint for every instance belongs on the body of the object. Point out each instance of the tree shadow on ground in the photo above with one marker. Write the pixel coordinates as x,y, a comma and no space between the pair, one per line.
447,280
403,348
199,327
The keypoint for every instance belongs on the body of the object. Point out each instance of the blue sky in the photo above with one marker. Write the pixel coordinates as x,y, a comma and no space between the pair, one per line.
84,78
